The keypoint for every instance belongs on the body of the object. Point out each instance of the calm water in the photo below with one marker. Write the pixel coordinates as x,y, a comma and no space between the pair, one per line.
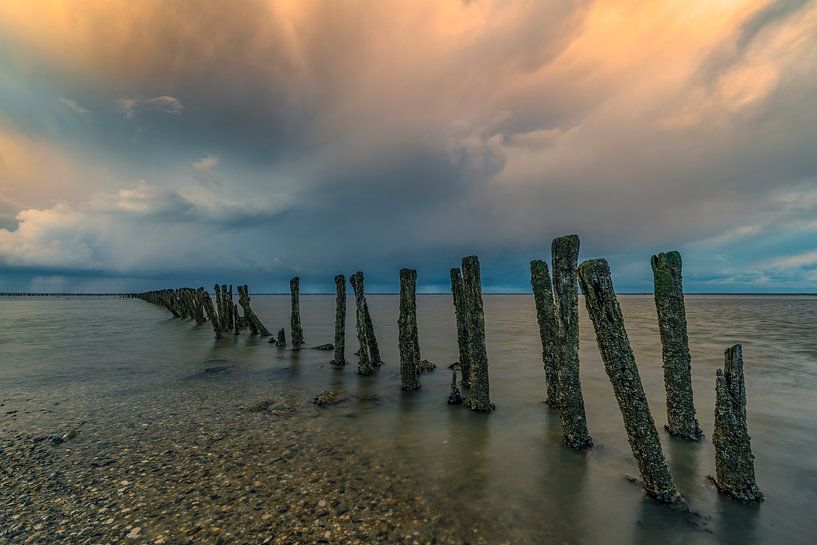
81,352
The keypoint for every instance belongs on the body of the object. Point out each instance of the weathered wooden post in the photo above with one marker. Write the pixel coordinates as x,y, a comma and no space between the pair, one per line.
408,336
211,311
546,317
254,323
454,397
462,326
296,332
237,321
227,307
199,306
478,398
565,252
619,362
369,353
282,337
672,323
734,461
219,304
340,322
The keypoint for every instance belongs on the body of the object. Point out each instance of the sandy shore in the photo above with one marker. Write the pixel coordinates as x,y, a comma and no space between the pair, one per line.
208,469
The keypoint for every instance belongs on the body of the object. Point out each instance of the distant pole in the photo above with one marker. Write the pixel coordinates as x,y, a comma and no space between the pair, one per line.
296,332
250,317
565,251
462,326
340,322
407,326
619,362
672,323
282,337
546,317
479,399
734,461
227,308
211,311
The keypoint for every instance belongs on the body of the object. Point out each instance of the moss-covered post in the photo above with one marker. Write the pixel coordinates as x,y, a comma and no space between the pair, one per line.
407,327
368,354
256,327
734,461
672,323
340,322
199,306
227,308
296,332
565,252
237,321
211,311
462,327
479,399
546,317
619,362
219,306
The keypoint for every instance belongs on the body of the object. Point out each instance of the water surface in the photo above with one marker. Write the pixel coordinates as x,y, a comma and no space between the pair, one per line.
78,354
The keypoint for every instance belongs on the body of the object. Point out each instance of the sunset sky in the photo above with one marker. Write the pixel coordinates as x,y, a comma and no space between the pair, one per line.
163,143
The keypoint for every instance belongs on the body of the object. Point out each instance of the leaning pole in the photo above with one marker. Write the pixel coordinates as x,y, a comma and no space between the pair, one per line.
546,317
672,323
619,362
565,252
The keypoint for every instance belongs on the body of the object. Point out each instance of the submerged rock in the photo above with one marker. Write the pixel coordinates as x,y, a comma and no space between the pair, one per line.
330,397
425,367
327,346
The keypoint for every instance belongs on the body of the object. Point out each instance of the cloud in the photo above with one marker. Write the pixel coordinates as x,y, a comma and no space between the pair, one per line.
130,107
500,126
76,108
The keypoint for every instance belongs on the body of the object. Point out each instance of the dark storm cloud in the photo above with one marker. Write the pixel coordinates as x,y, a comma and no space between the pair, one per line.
315,138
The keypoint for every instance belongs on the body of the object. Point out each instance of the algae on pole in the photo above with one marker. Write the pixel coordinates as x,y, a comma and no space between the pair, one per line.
296,332
408,336
734,461
462,327
340,322
479,399
672,323
565,253
619,362
546,317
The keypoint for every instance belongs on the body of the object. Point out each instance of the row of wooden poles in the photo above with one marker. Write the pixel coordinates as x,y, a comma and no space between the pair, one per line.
556,300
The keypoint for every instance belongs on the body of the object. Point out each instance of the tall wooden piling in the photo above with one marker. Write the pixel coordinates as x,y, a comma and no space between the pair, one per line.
672,323
546,317
369,353
462,327
340,322
256,327
478,399
619,362
296,332
408,336
565,253
734,461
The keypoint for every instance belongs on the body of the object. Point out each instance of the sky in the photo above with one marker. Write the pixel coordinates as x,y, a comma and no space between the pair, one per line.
158,144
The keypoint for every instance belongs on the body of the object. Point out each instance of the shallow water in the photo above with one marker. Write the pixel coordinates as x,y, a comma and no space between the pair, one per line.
80,352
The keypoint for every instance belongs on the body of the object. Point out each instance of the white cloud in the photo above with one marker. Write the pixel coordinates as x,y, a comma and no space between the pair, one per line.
130,107
75,107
